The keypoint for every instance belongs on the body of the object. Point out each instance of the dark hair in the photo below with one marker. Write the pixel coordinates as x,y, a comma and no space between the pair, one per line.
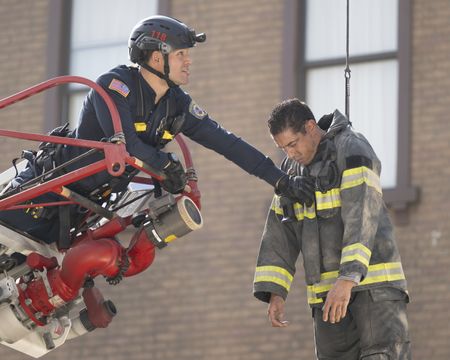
291,113
147,55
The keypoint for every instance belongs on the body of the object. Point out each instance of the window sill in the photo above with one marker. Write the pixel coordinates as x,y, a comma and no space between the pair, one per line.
398,200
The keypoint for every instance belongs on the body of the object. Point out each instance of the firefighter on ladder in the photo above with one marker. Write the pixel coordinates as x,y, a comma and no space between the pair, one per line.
153,110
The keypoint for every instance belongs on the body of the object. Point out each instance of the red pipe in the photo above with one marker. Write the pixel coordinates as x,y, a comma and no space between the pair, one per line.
100,312
39,262
111,228
141,253
90,258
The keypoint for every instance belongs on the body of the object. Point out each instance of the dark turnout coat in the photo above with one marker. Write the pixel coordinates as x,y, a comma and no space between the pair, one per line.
345,234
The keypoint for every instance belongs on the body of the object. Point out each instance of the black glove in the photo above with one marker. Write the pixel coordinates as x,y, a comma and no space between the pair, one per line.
175,176
298,188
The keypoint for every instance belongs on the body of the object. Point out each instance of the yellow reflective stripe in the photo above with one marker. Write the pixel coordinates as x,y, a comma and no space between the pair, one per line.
273,279
382,278
300,211
358,246
276,269
276,205
140,126
313,290
322,288
331,199
358,176
275,275
314,300
355,257
384,272
357,252
388,266
170,238
167,135
329,275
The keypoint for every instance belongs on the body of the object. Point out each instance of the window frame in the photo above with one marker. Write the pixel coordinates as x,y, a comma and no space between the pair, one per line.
294,82
58,56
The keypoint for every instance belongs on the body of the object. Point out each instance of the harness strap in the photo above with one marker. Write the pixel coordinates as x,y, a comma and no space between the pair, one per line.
64,240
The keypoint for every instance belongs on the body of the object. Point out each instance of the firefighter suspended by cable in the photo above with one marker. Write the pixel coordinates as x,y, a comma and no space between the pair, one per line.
355,282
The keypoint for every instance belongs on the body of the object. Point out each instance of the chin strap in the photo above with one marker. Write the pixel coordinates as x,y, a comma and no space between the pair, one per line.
164,76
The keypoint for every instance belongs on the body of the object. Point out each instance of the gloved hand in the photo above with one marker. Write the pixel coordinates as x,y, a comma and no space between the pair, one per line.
298,188
176,176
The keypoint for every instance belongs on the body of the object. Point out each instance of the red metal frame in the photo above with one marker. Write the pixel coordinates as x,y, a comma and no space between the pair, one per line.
94,252
116,155
64,80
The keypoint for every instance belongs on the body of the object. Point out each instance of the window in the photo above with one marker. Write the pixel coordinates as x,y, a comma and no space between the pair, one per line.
99,43
379,62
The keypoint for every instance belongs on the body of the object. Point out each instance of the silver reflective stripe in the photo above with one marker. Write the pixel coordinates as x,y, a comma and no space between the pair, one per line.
300,211
379,273
383,272
357,252
276,207
360,175
275,275
331,199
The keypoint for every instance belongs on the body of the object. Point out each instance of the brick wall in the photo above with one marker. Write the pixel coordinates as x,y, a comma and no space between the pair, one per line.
23,29
195,301
425,241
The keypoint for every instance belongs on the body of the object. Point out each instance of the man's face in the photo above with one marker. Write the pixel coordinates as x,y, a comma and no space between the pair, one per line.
179,62
298,146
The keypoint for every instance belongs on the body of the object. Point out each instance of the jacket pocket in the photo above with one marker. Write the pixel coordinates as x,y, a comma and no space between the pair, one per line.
388,294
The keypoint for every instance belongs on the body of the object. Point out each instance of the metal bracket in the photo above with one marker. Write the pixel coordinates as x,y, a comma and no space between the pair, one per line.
8,289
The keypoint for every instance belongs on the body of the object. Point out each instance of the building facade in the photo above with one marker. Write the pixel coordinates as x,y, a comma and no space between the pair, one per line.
195,301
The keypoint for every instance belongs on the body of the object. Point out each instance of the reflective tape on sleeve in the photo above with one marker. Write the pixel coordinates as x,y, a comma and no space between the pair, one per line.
274,274
356,252
358,176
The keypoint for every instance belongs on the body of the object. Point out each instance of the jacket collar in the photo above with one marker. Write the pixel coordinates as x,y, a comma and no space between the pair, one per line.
333,123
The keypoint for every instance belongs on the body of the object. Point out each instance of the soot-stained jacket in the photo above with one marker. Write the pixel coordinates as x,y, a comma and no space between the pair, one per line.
345,234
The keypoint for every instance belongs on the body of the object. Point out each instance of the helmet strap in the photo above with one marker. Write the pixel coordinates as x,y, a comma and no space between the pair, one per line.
164,76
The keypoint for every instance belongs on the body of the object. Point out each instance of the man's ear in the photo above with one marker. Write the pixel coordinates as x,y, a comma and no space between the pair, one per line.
309,125
156,57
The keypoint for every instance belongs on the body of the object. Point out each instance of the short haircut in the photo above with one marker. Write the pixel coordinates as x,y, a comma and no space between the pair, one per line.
292,114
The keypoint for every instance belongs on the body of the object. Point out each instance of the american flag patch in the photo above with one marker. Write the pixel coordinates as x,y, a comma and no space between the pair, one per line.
120,87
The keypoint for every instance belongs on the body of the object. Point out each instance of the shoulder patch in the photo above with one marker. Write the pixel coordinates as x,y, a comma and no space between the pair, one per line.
196,110
355,161
119,86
